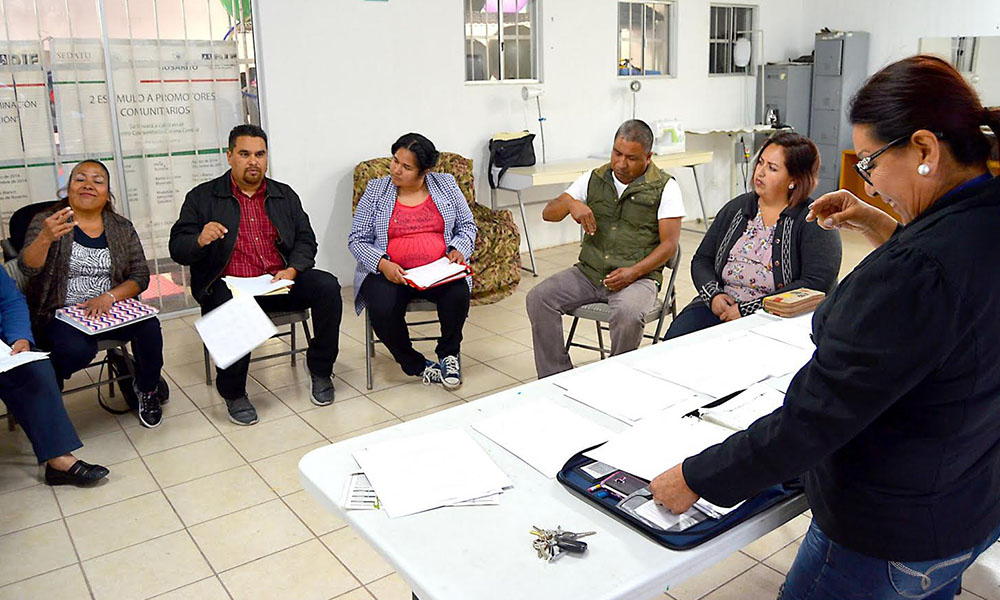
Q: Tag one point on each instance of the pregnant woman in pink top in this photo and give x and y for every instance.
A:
(408, 219)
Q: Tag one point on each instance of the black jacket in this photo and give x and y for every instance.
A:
(895, 421)
(804, 254)
(214, 201)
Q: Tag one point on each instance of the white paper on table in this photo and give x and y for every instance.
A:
(780, 383)
(10, 361)
(427, 275)
(657, 443)
(431, 470)
(714, 510)
(359, 494)
(718, 367)
(490, 500)
(233, 329)
(796, 331)
(626, 394)
(543, 434)
(257, 286)
(740, 411)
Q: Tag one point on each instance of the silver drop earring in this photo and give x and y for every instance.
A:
(923, 169)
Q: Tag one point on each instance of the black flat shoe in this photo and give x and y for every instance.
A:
(80, 474)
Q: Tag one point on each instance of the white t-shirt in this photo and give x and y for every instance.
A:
(671, 205)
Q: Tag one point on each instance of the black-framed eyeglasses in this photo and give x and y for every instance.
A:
(865, 166)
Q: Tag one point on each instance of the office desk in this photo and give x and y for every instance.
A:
(518, 179)
(485, 552)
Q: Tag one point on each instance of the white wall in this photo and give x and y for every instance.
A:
(342, 80)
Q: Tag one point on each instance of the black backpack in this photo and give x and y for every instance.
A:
(510, 150)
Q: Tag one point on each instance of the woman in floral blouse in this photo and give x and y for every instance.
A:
(760, 242)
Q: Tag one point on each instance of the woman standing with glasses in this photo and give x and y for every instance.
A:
(895, 422)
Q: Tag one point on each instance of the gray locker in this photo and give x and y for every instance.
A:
(787, 91)
(841, 66)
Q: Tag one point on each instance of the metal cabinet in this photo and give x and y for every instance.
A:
(787, 93)
(841, 66)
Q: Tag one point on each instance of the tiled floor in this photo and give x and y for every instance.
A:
(202, 509)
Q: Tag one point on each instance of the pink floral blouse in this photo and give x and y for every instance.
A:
(747, 274)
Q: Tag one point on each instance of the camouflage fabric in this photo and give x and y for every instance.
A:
(497, 258)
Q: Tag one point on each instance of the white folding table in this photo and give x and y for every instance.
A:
(485, 552)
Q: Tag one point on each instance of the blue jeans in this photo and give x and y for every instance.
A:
(695, 317)
(825, 570)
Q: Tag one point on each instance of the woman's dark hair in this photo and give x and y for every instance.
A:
(421, 147)
(801, 162)
(64, 202)
(925, 92)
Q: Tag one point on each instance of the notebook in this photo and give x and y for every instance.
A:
(122, 313)
(436, 273)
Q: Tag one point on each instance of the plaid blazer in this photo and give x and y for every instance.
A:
(369, 236)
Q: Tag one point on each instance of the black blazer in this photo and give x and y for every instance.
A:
(895, 421)
(214, 201)
(805, 255)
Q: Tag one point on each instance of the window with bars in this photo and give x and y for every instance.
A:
(645, 36)
(500, 40)
(726, 23)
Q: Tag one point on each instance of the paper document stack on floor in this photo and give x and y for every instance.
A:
(543, 434)
(428, 471)
(742, 410)
(10, 361)
(436, 273)
(747, 359)
(257, 286)
(628, 395)
(232, 330)
(657, 443)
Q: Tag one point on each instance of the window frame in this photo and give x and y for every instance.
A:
(670, 45)
(516, 19)
(729, 42)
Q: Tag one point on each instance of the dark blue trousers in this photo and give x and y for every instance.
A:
(695, 317)
(32, 395)
(71, 349)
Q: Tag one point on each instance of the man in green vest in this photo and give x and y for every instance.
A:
(630, 211)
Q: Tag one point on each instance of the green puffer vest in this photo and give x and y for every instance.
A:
(627, 229)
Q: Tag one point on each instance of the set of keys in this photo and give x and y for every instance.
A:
(551, 544)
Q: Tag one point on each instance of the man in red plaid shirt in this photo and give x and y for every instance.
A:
(245, 225)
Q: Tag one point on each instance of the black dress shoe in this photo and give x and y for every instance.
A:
(80, 474)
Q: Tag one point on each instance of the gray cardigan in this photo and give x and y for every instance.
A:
(47, 284)
(805, 255)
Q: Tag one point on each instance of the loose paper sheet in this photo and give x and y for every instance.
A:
(796, 331)
(9, 361)
(742, 410)
(543, 434)
(627, 394)
(657, 443)
(257, 286)
(232, 330)
(422, 472)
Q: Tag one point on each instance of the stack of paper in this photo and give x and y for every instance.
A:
(257, 286)
(796, 331)
(626, 394)
(657, 443)
(543, 434)
(440, 271)
(10, 361)
(718, 368)
(428, 471)
(741, 411)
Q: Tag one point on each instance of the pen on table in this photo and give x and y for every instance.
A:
(594, 488)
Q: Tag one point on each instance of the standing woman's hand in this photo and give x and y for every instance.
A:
(843, 210)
